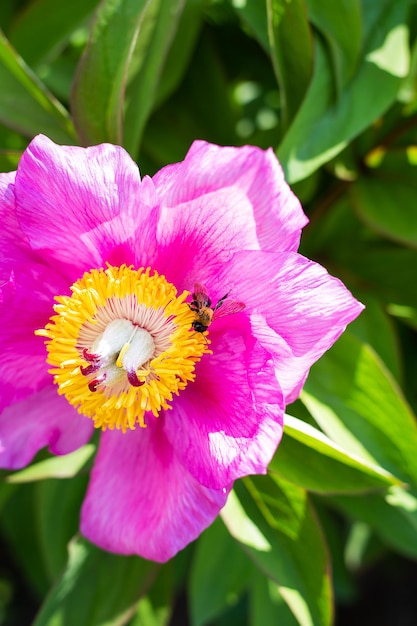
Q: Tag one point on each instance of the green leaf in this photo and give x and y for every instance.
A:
(358, 404)
(100, 83)
(57, 506)
(96, 588)
(323, 125)
(155, 608)
(148, 61)
(393, 517)
(254, 14)
(181, 50)
(25, 103)
(291, 51)
(267, 606)
(56, 467)
(341, 25)
(275, 524)
(388, 207)
(375, 327)
(311, 460)
(39, 520)
(43, 27)
(387, 271)
(119, 73)
(21, 535)
(216, 582)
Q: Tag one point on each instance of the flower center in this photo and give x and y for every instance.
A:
(121, 345)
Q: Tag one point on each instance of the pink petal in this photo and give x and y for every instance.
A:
(69, 198)
(209, 168)
(43, 419)
(197, 237)
(141, 500)
(13, 245)
(228, 423)
(297, 309)
(26, 302)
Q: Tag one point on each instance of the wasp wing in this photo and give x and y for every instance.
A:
(228, 308)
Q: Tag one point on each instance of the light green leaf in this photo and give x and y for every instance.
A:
(311, 460)
(275, 524)
(56, 467)
(291, 48)
(216, 582)
(357, 403)
(96, 588)
(324, 125)
(25, 104)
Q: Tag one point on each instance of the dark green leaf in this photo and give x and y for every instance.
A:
(96, 588)
(341, 25)
(309, 459)
(215, 581)
(375, 327)
(22, 536)
(57, 506)
(155, 608)
(44, 26)
(388, 207)
(274, 522)
(254, 14)
(393, 517)
(25, 104)
(267, 605)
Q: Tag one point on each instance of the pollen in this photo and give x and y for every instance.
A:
(121, 345)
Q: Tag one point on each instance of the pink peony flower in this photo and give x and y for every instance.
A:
(100, 266)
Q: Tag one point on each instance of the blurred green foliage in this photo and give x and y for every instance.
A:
(332, 86)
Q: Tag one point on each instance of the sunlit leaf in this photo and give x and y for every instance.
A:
(311, 460)
(56, 467)
(324, 125)
(358, 404)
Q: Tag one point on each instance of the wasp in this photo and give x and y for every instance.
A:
(205, 314)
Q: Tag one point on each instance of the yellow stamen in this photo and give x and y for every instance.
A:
(120, 346)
